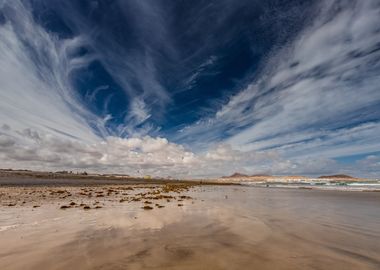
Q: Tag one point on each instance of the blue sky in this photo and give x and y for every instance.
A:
(191, 88)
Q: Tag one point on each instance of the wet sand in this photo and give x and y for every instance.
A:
(187, 227)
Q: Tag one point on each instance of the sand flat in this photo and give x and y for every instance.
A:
(216, 227)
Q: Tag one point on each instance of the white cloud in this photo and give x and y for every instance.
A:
(155, 156)
(146, 155)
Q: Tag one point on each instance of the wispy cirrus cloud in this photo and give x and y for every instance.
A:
(318, 95)
(129, 55)
(36, 90)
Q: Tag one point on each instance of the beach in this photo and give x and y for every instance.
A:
(160, 226)
(189, 135)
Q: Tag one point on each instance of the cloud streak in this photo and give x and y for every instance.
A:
(318, 88)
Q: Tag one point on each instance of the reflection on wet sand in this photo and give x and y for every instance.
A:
(219, 228)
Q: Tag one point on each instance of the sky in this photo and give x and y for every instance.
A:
(191, 88)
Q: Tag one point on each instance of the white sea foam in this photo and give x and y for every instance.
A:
(372, 186)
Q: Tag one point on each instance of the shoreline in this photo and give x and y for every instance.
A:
(339, 188)
(90, 181)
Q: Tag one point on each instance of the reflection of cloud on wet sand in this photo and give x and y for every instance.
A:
(176, 238)
(135, 219)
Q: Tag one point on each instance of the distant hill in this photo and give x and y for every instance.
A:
(236, 175)
(266, 176)
(241, 175)
(340, 176)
